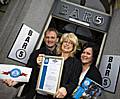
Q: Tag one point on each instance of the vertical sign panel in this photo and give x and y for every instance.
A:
(109, 69)
(24, 44)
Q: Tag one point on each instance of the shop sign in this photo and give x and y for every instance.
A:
(81, 15)
(24, 44)
(109, 68)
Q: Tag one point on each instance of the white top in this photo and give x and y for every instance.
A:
(82, 76)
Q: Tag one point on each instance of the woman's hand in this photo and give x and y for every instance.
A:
(40, 59)
(10, 82)
(61, 93)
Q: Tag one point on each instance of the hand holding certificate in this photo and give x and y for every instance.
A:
(50, 74)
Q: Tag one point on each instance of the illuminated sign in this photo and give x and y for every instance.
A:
(82, 15)
(109, 68)
(24, 44)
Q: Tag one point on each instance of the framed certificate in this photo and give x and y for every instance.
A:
(50, 74)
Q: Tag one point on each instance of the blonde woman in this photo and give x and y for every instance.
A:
(71, 69)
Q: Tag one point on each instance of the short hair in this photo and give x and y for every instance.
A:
(51, 29)
(73, 38)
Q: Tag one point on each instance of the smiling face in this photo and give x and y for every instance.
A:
(67, 46)
(50, 39)
(87, 56)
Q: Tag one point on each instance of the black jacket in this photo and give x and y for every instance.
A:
(70, 77)
(94, 74)
(29, 89)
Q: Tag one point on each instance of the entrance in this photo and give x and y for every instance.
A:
(89, 25)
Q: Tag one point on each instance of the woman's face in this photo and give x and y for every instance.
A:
(87, 56)
(67, 46)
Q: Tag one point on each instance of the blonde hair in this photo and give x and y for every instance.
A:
(68, 36)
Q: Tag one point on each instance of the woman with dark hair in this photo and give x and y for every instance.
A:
(88, 58)
(90, 73)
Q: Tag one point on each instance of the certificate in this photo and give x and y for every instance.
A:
(17, 73)
(50, 74)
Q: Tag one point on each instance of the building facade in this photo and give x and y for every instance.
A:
(91, 20)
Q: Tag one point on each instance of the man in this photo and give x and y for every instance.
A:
(49, 45)
(50, 40)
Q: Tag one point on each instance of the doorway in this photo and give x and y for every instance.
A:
(83, 33)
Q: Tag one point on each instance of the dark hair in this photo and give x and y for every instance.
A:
(51, 29)
(95, 49)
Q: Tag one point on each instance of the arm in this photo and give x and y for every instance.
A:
(94, 74)
(70, 77)
(74, 78)
(10, 82)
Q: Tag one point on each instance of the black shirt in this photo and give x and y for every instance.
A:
(70, 77)
(29, 89)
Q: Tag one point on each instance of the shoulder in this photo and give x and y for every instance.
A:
(73, 60)
(35, 52)
(94, 74)
(38, 51)
(95, 69)
(75, 63)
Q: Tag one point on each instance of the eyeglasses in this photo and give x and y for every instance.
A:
(68, 42)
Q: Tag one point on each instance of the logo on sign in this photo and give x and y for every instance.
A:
(15, 73)
(20, 53)
(98, 20)
(46, 61)
(106, 82)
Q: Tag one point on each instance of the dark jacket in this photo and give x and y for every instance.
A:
(94, 74)
(29, 89)
(70, 77)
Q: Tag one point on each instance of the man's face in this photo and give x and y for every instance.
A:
(50, 39)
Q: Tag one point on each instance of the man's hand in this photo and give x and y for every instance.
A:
(10, 82)
(40, 59)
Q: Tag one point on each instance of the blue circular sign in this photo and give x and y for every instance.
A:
(15, 73)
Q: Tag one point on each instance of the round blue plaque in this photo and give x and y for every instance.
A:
(15, 73)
